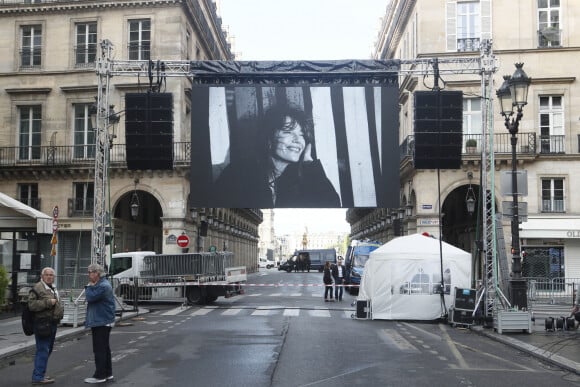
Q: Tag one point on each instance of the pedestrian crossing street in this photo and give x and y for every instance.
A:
(258, 311)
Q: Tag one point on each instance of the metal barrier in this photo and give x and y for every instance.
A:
(560, 290)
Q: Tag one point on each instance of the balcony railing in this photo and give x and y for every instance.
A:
(501, 144)
(549, 37)
(77, 155)
(80, 207)
(468, 44)
(552, 144)
(85, 56)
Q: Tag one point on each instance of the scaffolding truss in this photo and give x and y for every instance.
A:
(484, 65)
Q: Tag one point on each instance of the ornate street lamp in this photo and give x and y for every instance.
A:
(470, 196)
(514, 93)
(135, 203)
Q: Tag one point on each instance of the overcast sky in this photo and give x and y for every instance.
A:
(303, 30)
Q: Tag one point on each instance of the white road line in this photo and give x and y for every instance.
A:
(391, 336)
(174, 311)
(319, 313)
(201, 312)
(231, 312)
(291, 312)
(261, 312)
(460, 359)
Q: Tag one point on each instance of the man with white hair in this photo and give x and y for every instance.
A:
(44, 301)
(100, 318)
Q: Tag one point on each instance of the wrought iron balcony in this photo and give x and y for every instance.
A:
(80, 207)
(549, 37)
(501, 144)
(77, 155)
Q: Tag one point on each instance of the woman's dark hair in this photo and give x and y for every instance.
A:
(273, 120)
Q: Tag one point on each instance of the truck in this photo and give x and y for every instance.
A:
(309, 259)
(197, 278)
(357, 255)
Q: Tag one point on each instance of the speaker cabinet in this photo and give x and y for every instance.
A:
(149, 130)
(438, 129)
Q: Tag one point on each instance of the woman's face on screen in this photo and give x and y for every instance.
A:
(289, 142)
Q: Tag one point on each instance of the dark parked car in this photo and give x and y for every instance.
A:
(287, 266)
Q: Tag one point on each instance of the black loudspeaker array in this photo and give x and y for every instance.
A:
(438, 129)
(149, 130)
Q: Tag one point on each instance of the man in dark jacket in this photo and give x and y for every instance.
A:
(100, 318)
(338, 273)
(44, 301)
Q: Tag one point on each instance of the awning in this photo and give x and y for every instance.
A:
(15, 215)
(552, 227)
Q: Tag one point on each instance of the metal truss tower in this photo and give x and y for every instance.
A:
(484, 65)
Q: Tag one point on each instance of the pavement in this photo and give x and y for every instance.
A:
(14, 342)
(560, 347)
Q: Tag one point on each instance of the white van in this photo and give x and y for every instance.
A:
(265, 263)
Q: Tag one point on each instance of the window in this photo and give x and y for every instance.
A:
(139, 39)
(29, 132)
(468, 26)
(467, 23)
(549, 23)
(552, 195)
(551, 124)
(86, 44)
(188, 45)
(28, 194)
(84, 135)
(30, 46)
(84, 197)
(545, 262)
(472, 120)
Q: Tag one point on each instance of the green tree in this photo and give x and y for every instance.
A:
(3, 284)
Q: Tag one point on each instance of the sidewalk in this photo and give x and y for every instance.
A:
(13, 341)
(561, 348)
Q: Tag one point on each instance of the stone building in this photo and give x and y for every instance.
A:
(48, 86)
(542, 34)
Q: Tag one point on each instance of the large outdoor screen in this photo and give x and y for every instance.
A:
(309, 144)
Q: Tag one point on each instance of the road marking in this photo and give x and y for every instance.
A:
(175, 311)
(319, 313)
(231, 312)
(460, 359)
(261, 312)
(391, 336)
(201, 312)
(291, 312)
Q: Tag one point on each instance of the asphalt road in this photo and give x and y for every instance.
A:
(282, 333)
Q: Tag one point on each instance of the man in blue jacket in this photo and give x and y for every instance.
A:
(100, 318)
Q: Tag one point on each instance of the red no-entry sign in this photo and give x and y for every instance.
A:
(182, 240)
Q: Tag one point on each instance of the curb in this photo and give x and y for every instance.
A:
(539, 353)
(61, 333)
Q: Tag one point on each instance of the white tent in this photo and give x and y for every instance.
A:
(402, 278)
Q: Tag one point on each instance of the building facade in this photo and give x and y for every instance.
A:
(48, 87)
(544, 35)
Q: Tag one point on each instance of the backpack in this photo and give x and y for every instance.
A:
(28, 317)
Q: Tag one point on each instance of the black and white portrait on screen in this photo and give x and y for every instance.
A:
(294, 146)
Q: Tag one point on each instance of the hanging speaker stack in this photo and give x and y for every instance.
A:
(149, 131)
(438, 129)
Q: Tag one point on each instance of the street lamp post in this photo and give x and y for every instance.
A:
(514, 93)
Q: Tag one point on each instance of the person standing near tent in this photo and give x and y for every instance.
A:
(338, 273)
(327, 279)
